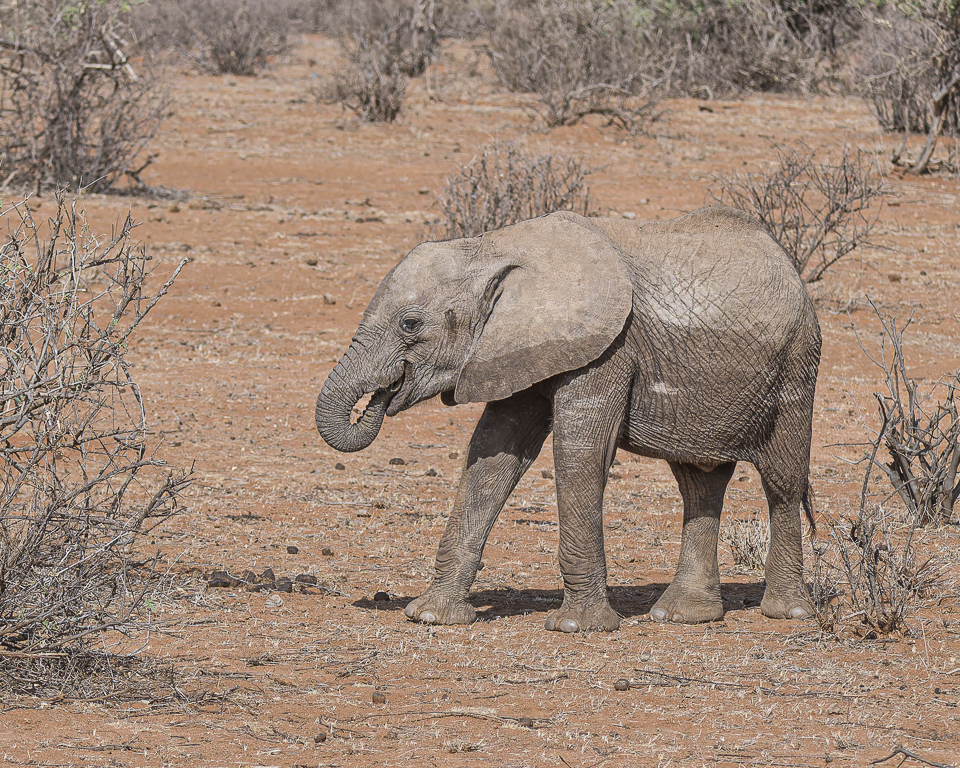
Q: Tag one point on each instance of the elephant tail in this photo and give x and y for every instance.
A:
(807, 503)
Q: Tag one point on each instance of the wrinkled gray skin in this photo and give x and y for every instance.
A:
(691, 340)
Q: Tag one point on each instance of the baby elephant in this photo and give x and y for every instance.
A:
(691, 340)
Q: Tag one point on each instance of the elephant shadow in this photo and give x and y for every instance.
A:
(628, 601)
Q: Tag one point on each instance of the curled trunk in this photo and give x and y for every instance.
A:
(341, 392)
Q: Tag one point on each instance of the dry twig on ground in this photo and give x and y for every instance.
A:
(81, 484)
(818, 212)
(505, 184)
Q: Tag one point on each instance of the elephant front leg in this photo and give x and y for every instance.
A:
(586, 429)
(507, 440)
(694, 594)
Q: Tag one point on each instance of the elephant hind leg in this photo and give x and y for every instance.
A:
(694, 595)
(784, 471)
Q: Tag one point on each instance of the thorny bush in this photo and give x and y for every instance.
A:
(384, 45)
(911, 71)
(748, 542)
(579, 58)
(229, 37)
(818, 212)
(82, 485)
(73, 111)
(921, 434)
(505, 184)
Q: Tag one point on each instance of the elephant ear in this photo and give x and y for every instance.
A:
(561, 296)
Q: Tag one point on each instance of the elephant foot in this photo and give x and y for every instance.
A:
(434, 607)
(580, 617)
(786, 606)
(684, 605)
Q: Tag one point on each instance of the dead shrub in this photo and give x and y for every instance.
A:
(81, 484)
(747, 541)
(231, 37)
(74, 111)
(868, 577)
(920, 433)
(579, 58)
(818, 212)
(717, 47)
(911, 71)
(505, 184)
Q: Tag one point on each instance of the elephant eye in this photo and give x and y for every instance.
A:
(411, 324)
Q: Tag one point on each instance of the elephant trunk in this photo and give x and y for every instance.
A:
(341, 392)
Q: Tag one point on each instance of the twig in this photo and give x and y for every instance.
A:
(901, 750)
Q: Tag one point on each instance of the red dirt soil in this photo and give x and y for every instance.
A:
(297, 210)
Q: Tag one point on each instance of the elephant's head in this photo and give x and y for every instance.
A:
(478, 319)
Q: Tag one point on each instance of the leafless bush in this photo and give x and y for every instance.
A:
(73, 110)
(504, 184)
(384, 44)
(818, 212)
(579, 58)
(920, 434)
(748, 542)
(81, 487)
(715, 47)
(868, 576)
(232, 37)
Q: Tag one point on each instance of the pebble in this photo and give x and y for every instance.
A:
(283, 585)
(397, 462)
(525, 722)
(320, 738)
(622, 685)
(381, 597)
(267, 576)
(306, 578)
(326, 552)
(292, 550)
(378, 698)
(431, 473)
(274, 601)
(338, 465)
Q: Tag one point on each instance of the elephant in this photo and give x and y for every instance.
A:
(691, 340)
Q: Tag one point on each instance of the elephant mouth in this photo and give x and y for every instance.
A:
(389, 395)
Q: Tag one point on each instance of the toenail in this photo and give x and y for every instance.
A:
(550, 624)
(658, 614)
(410, 611)
(799, 613)
(428, 618)
(569, 625)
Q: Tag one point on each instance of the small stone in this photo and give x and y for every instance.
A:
(339, 466)
(250, 577)
(326, 552)
(526, 722)
(283, 585)
(424, 190)
(255, 587)
(274, 601)
(328, 299)
(320, 738)
(454, 455)
(629, 215)
(622, 685)
(381, 597)
(305, 578)
(431, 473)
(292, 550)
(378, 698)
(267, 576)
(397, 462)
(546, 474)
(219, 580)
(312, 262)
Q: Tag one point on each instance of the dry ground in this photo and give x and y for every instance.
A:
(295, 213)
